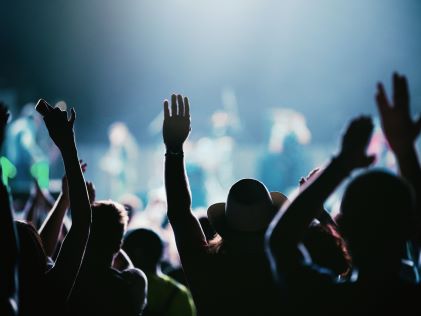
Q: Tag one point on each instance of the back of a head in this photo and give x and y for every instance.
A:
(109, 222)
(376, 213)
(145, 248)
(32, 267)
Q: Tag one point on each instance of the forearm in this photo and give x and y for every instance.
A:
(291, 226)
(78, 195)
(177, 186)
(73, 247)
(188, 232)
(52, 226)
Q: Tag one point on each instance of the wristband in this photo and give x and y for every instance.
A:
(170, 153)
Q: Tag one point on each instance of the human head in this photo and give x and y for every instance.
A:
(33, 259)
(32, 268)
(376, 217)
(109, 222)
(250, 207)
(145, 248)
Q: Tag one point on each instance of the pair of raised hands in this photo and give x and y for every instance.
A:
(399, 128)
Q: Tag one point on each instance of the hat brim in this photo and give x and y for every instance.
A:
(217, 218)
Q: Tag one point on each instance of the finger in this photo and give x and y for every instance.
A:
(72, 117)
(395, 85)
(166, 110)
(173, 105)
(180, 105)
(381, 100)
(403, 93)
(42, 107)
(186, 107)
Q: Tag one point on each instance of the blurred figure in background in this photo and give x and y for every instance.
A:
(24, 151)
(121, 161)
(286, 158)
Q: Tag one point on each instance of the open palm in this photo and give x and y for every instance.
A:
(398, 126)
(176, 127)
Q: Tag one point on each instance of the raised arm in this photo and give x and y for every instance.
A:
(8, 239)
(287, 229)
(71, 253)
(51, 228)
(323, 215)
(176, 129)
(401, 133)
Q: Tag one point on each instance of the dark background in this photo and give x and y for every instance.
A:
(117, 60)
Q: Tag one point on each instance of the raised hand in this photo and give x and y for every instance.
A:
(59, 126)
(4, 118)
(176, 126)
(91, 191)
(398, 126)
(355, 142)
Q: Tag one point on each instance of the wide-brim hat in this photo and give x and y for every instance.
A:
(250, 207)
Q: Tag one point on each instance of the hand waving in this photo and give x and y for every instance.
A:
(176, 127)
(59, 126)
(398, 126)
(355, 142)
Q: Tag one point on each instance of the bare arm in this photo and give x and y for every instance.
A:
(52, 227)
(71, 253)
(287, 229)
(323, 216)
(401, 133)
(176, 128)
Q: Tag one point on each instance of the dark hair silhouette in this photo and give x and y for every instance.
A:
(109, 222)
(145, 248)
(377, 216)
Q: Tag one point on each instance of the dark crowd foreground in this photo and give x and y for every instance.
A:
(257, 253)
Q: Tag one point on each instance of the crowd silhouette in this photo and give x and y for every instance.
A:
(257, 253)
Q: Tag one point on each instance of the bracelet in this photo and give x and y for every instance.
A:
(170, 153)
